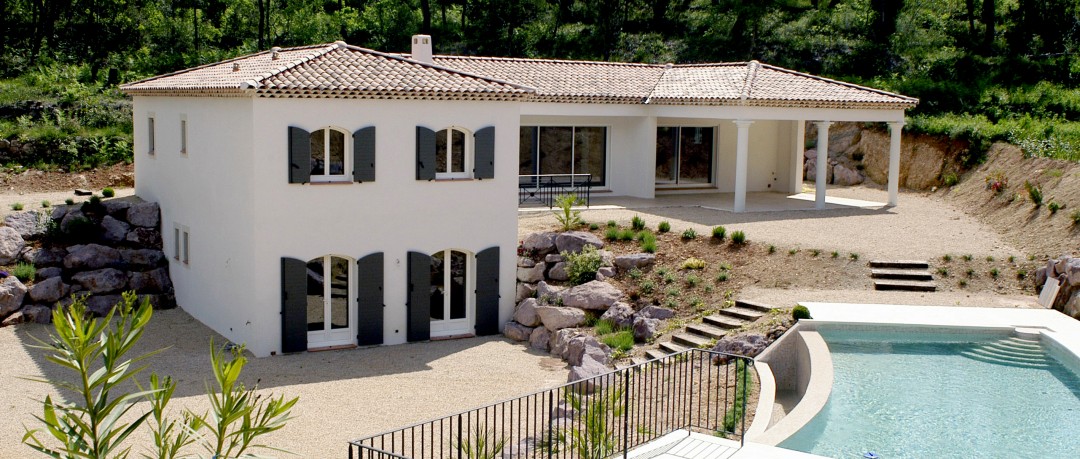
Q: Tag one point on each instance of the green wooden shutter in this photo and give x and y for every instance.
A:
(369, 300)
(364, 155)
(293, 305)
(487, 292)
(425, 153)
(484, 149)
(419, 307)
(299, 155)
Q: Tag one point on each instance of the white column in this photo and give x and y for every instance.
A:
(797, 155)
(822, 162)
(895, 129)
(742, 146)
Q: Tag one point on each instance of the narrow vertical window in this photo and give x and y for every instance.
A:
(176, 242)
(186, 248)
(150, 137)
(328, 154)
(451, 153)
(183, 136)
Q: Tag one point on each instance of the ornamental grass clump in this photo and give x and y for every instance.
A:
(25, 272)
(719, 233)
(663, 227)
(738, 237)
(689, 234)
(693, 263)
(637, 223)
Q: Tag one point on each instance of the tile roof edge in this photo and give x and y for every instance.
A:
(545, 60)
(909, 99)
(326, 48)
(748, 81)
(401, 57)
(127, 86)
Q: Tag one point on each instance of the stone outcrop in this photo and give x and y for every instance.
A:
(620, 314)
(540, 339)
(1066, 269)
(11, 245)
(574, 241)
(645, 329)
(540, 243)
(517, 332)
(634, 260)
(525, 313)
(558, 317)
(749, 345)
(594, 295)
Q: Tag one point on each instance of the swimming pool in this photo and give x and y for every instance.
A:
(923, 395)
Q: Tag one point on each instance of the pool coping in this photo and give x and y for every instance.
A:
(1059, 333)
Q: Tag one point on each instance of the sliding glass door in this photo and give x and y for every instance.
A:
(564, 150)
(684, 155)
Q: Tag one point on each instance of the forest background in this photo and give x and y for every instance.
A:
(985, 70)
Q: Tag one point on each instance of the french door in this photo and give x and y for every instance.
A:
(331, 317)
(451, 297)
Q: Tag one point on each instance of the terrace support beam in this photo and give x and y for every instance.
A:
(798, 152)
(822, 162)
(742, 147)
(896, 128)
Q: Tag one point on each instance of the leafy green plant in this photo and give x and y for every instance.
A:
(946, 258)
(17, 206)
(994, 273)
(943, 271)
(612, 224)
(693, 263)
(1034, 193)
(605, 326)
(853, 256)
(692, 281)
(968, 257)
(581, 266)
(689, 234)
(950, 179)
(738, 237)
(724, 266)
(815, 252)
(990, 258)
(735, 413)
(648, 242)
(480, 443)
(626, 235)
(637, 223)
(697, 303)
(620, 340)
(1012, 258)
(647, 287)
(673, 292)
(719, 232)
(772, 249)
(970, 272)
(670, 303)
(722, 276)
(962, 283)
(1054, 206)
(594, 226)
(800, 312)
(611, 234)
(635, 273)
(69, 201)
(663, 227)
(834, 254)
(45, 204)
(108, 192)
(24, 271)
(792, 251)
(1021, 274)
(569, 218)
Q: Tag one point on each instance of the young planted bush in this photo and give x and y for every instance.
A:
(581, 267)
(612, 224)
(611, 234)
(1054, 206)
(689, 234)
(625, 235)
(693, 263)
(45, 204)
(637, 223)
(647, 241)
(738, 237)
(1034, 193)
(108, 192)
(24, 271)
(800, 312)
(69, 201)
(718, 233)
(619, 340)
(480, 443)
(569, 218)
(17, 206)
(663, 227)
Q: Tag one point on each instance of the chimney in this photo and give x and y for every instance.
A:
(421, 48)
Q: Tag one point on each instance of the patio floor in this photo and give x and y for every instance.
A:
(755, 202)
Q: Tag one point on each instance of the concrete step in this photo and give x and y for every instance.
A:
(901, 274)
(691, 340)
(723, 321)
(749, 315)
(655, 354)
(899, 264)
(706, 330)
(757, 306)
(671, 348)
(905, 285)
(638, 360)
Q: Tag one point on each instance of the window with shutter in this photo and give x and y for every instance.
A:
(487, 292)
(294, 327)
(364, 155)
(419, 305)
(299, 155)
(484, 147)
(369, 300)
(425, 153)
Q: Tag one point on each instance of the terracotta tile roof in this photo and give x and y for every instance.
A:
(331, 70)
(341, 70)
(756, 84)
(566, 81)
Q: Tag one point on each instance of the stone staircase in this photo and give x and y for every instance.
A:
(903, 275)
(711, 328)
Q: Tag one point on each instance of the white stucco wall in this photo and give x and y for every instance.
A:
(208, 190)
(394, 214)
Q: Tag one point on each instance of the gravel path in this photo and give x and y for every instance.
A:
(919, 227)
(344, 395)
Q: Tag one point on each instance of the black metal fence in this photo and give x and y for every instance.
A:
(595, 418)
(542, 189)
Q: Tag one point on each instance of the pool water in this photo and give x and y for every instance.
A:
(944, 396)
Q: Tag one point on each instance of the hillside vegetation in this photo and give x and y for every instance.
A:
(990, 70)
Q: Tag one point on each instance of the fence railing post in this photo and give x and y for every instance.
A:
(626, 412)
(551, 428)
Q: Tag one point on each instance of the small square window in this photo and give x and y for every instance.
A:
(150, 136)
(183, 135)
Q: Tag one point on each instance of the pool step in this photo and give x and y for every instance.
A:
(905, 285)
(901, 274)
(899, 264)
(1013, 351)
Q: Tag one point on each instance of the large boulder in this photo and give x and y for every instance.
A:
(584, 345)
(540, 339)
(144, 214)
(145, 237)
(117, 207)
(91, 256)
(531, 275)
(11, 245)
(153, 281)
(588, 369)
(525, 262)
(558, 318)
(645, 329)
(114, 230)
(846, 177)
(558, 272)
(52, 271)
(525, 291)
(49, 290)
(68, 223)
(561, 339)
(656, 312)
(540, 243)
(44, 256)
(142, 258)
(748, 345)
(548, 293)
(620, 314)
(525, 313)
(37, 313)
(516, 331)
(574, 241)
(635, 260)
(29, 224)
(594, 295)
(101, 280)
(100, 305)
(12, 292)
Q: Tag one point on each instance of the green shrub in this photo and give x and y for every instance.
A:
(693, 263)
(719, 232)
(673, 292)
(990, 258)
(692, 281)
(814, 252)
(612, 224)
(1012, 258)
(968, 257)
(962, 283)
(108, 192)
(69, 201)
(950, 179)
(611, 234)
(725, 266)
(994, 273)
(625, 235)
(668, 277)
(663, 227)
(697, 303)
(648, 242)
(738, 237)
(17, 206)
(792, 251)
(619, 341)
(604, 326)
(946, 258)
(772, 249)
(581, 267)
(943, 271)
(569, 219)
(1021, 274)
(722, 276)
(637, 223)
(738, 407)
(835, 254)
(80, 229)
(800, 312)
(45, 204)
(670, 303)
(635, 274)
(689, 234)
(1054, 206)
(24, 271)
(647, 287)
(1034, 193)
(970, 272)
(594, 226)
(853, 256)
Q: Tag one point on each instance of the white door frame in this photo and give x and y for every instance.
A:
(341, 336)
(452, 327)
